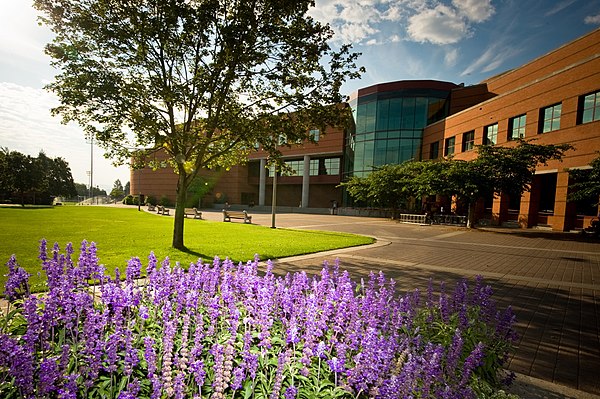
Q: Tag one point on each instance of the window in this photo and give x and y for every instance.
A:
(550, 118)
(516, 127)
(491, 135)
(434, 150)
(315, 133)
(297, 168)
(468, 141)
(589, 107)
(282, 140)
(449, 146)
(324, 166)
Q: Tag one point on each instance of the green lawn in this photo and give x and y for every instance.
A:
(121, 233)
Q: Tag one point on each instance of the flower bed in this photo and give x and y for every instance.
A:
(222, 330)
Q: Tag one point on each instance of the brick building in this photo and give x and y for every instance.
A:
(553, 99)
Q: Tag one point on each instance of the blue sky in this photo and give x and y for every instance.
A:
(462, 41)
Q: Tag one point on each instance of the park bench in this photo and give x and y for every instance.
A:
(228, 215)
(151, 208)
(162, 210)
(192, 212)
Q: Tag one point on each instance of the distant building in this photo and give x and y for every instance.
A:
(553, 99)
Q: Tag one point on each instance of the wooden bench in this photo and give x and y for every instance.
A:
(161, 210)
(228, 215)
(151, 208)
(192, 212)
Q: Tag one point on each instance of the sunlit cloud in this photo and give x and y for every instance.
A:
(491, 59)
(559, 7)
(451, 57)
(592, 19)
(441, 25)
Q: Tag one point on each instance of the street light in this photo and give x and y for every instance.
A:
(90, 140)
(274, 200)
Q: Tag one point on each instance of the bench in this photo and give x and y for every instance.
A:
(151, 208)
(193, 212)
(228, 215)
(161, 210)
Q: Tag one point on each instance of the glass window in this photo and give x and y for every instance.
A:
(468, 141)
(408, 113)
(370, 116)
(379, 154)
(382, 115)
(550, 118)
(449, 146)
(590, 107)
(491, 135)
(516, 127)
(315, 133)
(434, 150)
(324, 166)
(297, 168)
(395, 114)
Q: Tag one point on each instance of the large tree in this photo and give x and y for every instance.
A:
(585, 184)
(203, 80)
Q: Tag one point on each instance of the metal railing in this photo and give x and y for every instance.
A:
(449, 219)
(412, 218)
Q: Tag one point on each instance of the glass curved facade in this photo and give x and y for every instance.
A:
(389, 121)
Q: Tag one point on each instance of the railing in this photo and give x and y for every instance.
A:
(449, 219)
(412, 218)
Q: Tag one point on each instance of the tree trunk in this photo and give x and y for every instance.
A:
(471, 215)
(179, 213)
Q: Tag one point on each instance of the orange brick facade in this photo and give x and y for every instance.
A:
(563, 76)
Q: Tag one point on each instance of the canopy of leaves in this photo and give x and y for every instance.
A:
(20, 173)
(586, 182)
(495, 170)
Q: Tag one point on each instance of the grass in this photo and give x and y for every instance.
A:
(122, 233)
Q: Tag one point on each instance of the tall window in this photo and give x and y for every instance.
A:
(434, 150)
(516, 127)
(315, 133)
(550, 118)
(590, 107)
(449, 146)
(468, 141)
(491, 135)
(324, 166)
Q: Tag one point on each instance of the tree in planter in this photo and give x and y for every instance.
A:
(394, 186)
(498, 170)
(586, 183)
(203, 81)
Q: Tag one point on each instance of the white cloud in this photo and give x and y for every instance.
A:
(491, 59)
(27, 126)
(451, 57)
(559, 7)
(592, 19)
(441, 25)
(474, 10)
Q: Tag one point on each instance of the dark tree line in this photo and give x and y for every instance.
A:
(27, 179)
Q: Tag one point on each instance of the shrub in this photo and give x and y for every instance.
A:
(128, 200)
(151, 200)
(217, 330)
(165, 201)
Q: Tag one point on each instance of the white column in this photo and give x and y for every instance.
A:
(262, 182)
(305, 181)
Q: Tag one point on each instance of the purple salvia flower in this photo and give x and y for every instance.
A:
(17, 284)
(282, 360)
(197, 368)
(472, 361)
(133, 270)
(49, 376)
(290, 392)
(69, 388)
(238, 378)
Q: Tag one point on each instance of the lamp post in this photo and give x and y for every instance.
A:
(274, 200)
(90, 140)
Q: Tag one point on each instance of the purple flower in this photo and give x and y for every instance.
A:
(17, 284)
(337, 366)
(290, 392)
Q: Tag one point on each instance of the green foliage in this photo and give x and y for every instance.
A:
(202, 81)
(117, 190)
(165, 201)
(586, 182)
(495, 170)
(40, 177)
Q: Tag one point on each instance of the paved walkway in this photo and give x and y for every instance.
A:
(552, 281)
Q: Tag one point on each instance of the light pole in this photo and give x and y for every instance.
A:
(89, 174)
(90, 140)
(274, 200)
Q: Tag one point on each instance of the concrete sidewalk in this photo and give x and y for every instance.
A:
(552, 281)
